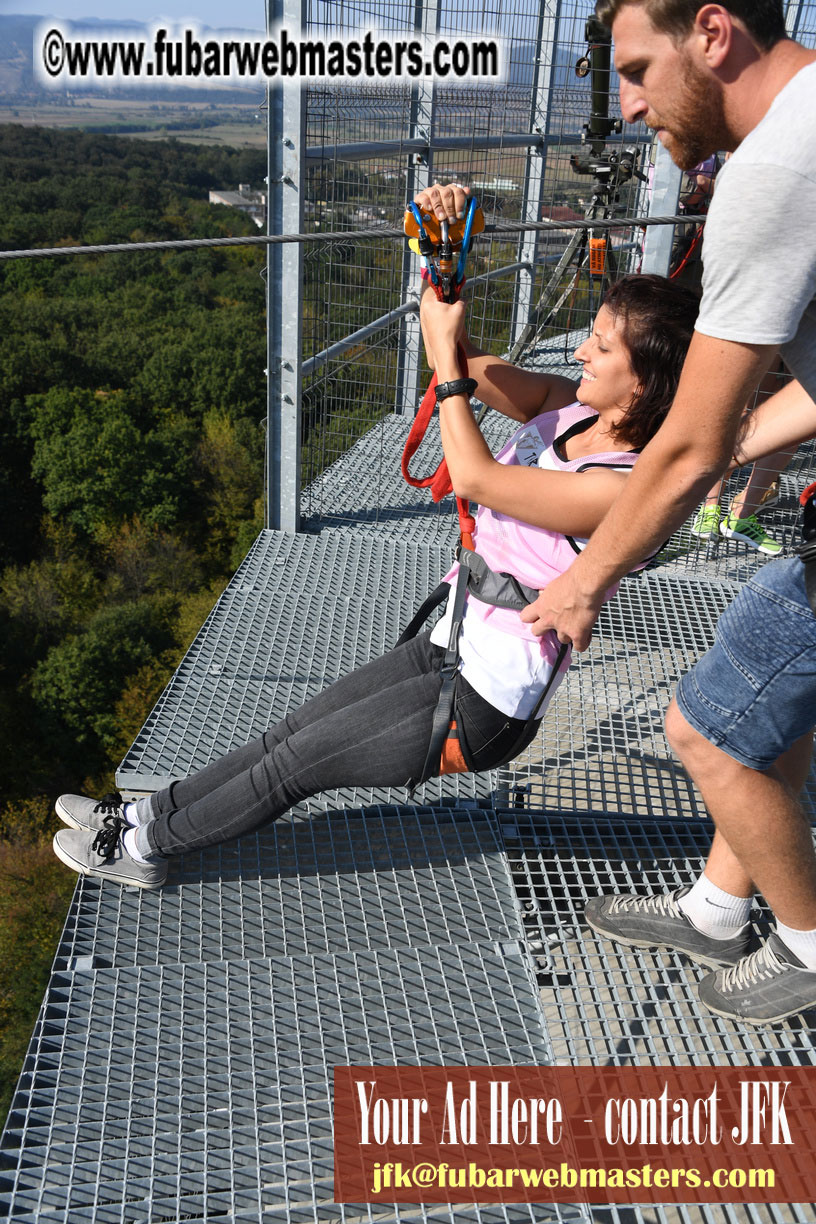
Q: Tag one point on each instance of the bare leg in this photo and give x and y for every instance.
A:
(764, 473)
(765, 836)
(722, 866)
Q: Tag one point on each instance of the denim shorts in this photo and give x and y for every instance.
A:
(754, 693)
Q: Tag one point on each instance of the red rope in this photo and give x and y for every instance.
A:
(439, 481)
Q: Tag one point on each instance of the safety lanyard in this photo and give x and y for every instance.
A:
(438, 243)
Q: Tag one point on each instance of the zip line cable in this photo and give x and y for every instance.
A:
(505, 227)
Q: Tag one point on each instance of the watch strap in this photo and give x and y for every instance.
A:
(457, 386)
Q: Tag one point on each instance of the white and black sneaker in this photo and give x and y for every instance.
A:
(89, 814)
(769, 985)
(103, 854)
(656, 921)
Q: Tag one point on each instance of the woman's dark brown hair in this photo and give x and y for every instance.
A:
(657, 318)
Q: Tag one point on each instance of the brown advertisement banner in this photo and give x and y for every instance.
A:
(575, 1134)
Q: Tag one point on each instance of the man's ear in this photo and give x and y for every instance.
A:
(714, 31)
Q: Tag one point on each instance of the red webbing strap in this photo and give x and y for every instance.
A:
(438, 482)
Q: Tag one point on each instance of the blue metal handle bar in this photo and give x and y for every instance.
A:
(466, 239)
(418, 218)
(423, 236)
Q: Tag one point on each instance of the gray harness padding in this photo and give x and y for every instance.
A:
(489, 586)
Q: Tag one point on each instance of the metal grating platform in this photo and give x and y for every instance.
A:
(604, 1004)
(601, 747)
(181, 1066)
(213, 1100)
(399, 933)
(354, 881)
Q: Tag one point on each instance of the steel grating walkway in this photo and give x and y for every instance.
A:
(445, 931)
(604, 1004)
(390, 936)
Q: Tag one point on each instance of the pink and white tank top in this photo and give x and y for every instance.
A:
(500, 656)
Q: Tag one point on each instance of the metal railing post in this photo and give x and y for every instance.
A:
(793, 17)
(418, 176)
(284, 285)
(535, 165)
(657, 244)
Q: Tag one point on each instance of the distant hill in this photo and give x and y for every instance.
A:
(19, 85)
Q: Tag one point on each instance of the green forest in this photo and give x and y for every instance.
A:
(132, 417)
(132, 397)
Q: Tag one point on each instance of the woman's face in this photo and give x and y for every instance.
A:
(608, 380)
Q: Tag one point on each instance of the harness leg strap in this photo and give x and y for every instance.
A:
(807, 550)
(444, 706)
(436, 597)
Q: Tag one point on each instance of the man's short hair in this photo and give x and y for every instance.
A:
(763, 19)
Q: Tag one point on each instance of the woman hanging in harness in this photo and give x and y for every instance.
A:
(543, 494)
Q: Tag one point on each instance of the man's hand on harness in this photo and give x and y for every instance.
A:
(565, 607)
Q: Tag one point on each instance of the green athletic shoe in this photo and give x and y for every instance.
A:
(750, 531)
(706, 522)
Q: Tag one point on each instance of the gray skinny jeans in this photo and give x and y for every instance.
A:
(370, 728)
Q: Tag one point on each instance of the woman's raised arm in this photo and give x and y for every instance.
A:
(516, 393)
(570, 502)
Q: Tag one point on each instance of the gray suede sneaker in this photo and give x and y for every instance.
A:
(656, 921)
(769, 985)
(103, 854)
(82, 813)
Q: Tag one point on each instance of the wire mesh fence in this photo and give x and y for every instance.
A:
(368, 152)
(518, 146)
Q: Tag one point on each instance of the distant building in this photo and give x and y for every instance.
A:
(251, 202)
(560, 212)
(495, 184)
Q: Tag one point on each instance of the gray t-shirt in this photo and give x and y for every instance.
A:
(759, 249)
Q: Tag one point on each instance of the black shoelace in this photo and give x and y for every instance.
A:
(107, 838)
(110, 804)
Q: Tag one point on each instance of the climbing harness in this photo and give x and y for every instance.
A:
(447, 751)
(438, 243)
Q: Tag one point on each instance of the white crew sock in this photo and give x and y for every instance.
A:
(714, 912)
(801, 943)
(129, 843)
(138, 812)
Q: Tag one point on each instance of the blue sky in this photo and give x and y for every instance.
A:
(236, 14)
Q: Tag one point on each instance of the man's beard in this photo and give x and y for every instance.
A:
(698, 126)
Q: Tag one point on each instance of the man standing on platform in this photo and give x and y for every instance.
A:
(709, 77)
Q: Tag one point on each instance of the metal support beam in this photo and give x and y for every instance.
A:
(284, 285)
(657, 245)
(533, 197)
(419, 175)
(440, 143)
(793, 18)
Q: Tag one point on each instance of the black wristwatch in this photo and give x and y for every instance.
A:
(457, 386)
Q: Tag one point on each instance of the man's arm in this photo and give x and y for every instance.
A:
(692, 448)
(781, 423)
